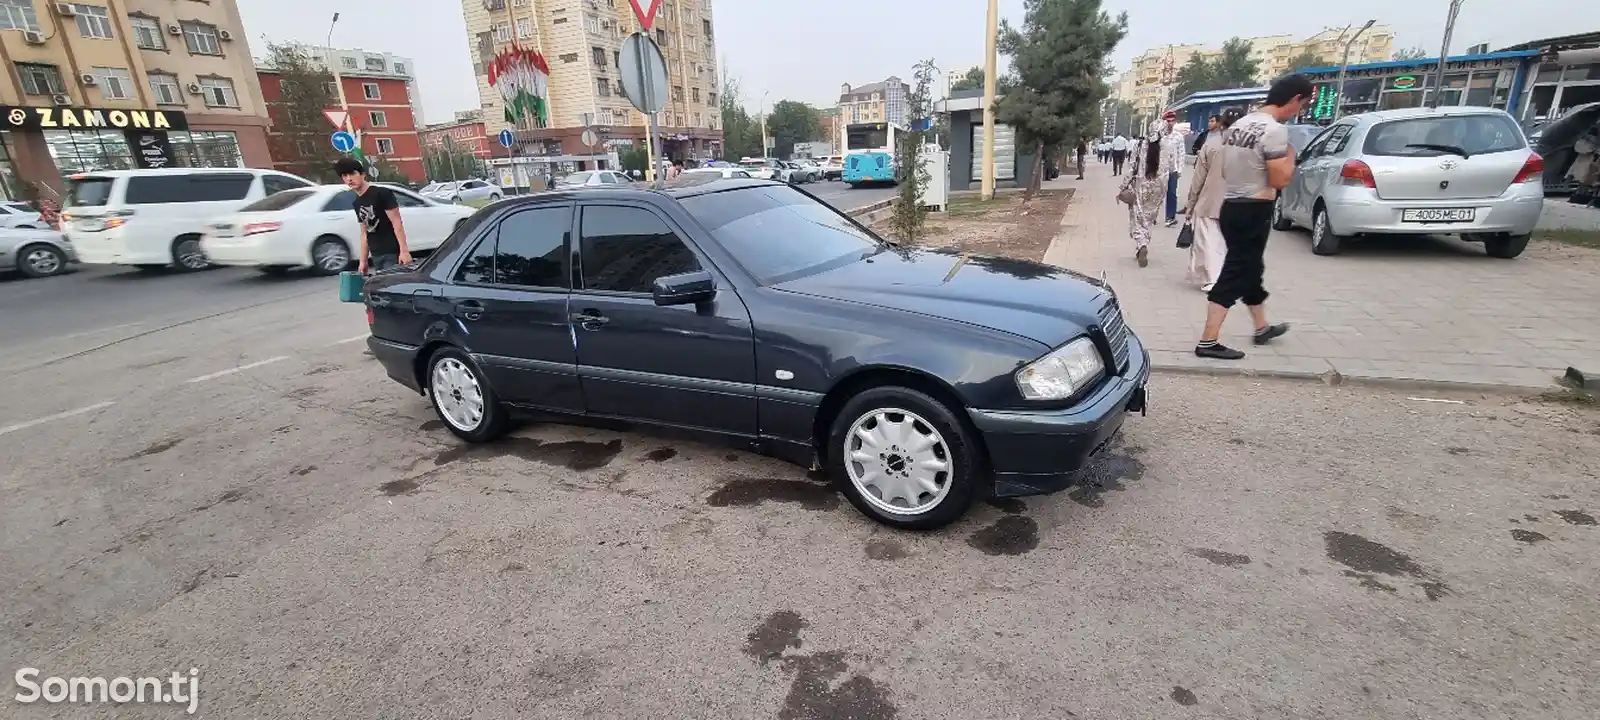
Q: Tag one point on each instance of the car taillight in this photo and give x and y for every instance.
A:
(1356, 172)
(1532, 169)
(261, 227)
(371, 319)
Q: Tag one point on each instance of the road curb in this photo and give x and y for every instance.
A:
(1335, 379)
(875, 212)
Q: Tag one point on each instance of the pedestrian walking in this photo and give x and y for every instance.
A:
(1083, 150)
(1142, 192)
(383, 233)
(1257, 162)
(1204, 203)
(1172, 152)
(1119, 153)
(1103, 149)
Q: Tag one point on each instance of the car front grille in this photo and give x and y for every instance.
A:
(1115, 331)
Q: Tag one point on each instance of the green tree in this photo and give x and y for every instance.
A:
(301, 138)
(634, 159)
(1059, 56)
(1234, 68)
(1306, 59)
(446, 161)
(791, 122)
(741, 134)
(1410, 53)
(972, 79)
(1122, 118)
(1197, 75)
(909, 216)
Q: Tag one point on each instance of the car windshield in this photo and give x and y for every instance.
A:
(779, 233)
(577, 178)
(1445, 135)
(278, 201)
(430, 187)
(89, 191)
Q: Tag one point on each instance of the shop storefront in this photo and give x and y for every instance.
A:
(1482, 80)
(1567, 75)
(44, 145)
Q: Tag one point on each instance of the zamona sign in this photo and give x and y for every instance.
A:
(81, 118)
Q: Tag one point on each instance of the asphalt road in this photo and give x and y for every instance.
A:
(249, 496)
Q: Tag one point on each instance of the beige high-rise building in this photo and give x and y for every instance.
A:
(1154, 72)
(116, 84)
(581, 41)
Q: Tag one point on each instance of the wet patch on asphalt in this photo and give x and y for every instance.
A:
(1117, 464)
(1219, 557)
(886, 549)
(155, 449)
(403, 486)
(1009, 506)
(1457, 450)
(747, 492)
(431, 425)
(323, 369)
(1183, 696)
(229, 496)
(816, 690)
(1367, 560)
(661, 454)
(304, 470)
(577, 455)
(1010, 535)
(1576, 517)
(305, 393)
(1528, 536)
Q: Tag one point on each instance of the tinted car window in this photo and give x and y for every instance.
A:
(532, 248)
(577, 178)
(344, 201)
(287, 198)
(90, 191)
(197, 187)
(407, 199)
(478, 268)
(273, 184)
(777, 233)
(625, 249)
(1338, 141)
(1444, 135)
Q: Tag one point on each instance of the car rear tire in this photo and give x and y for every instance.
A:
(462, 398)
(326, 255)
(187, 255)
(494, 198)
(888, 442)
(41, 260)
(1505, 246)
(1323, 239)
(1280, 221)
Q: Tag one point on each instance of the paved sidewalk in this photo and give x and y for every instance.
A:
(1424, 309)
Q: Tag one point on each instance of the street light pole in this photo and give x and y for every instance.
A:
(338, 82)
(1444, 53)
(1344, 62)
(991, 37)
(762, 111)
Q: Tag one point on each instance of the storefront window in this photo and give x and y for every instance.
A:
(76, 151)
(1581, 73)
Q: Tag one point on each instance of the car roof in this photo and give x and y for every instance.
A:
(1413, 113)
(178, 171)
(684, 186)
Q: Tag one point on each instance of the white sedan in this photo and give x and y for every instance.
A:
(20, 215)
(462, 191)
(316, 228)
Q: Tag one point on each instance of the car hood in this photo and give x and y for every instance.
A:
(1040, 302)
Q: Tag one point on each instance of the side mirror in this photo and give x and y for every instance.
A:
(690, 288)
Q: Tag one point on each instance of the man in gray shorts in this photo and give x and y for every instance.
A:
(1256, 162)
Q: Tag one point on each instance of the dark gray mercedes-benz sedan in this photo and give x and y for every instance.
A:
(748, 311)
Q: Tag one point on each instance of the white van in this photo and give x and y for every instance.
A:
(155, 218)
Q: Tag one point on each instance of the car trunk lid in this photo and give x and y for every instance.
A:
(1445, 157)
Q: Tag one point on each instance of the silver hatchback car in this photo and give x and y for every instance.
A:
(1464, 171)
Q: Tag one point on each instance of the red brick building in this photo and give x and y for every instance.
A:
(380, 108)
(468, 136)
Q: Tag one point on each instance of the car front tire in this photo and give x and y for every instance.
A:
(1280, 221)
(1506, 246)
(326, 255)
(904, 459)
(1323, 239)
(41, 260)
(187, 255)
(462, 398)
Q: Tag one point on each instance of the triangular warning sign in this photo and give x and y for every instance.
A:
(337, 117)
(646, 15)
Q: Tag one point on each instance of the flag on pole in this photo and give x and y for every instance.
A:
(522, 78)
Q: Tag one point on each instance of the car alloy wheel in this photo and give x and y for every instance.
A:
(41, 261)
(898, 461)
(457, 394)
(189, 255)
(331, 256)
(1323, 241)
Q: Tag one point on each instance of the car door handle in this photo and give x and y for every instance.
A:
(589, 319)
(469, 309)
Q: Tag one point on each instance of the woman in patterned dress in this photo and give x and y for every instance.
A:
(1148, 182)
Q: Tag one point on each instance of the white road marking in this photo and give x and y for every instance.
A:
(1436, 400)
(241, 368)
(58, 416)
(348, 340)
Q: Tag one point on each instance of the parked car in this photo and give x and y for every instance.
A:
(832, 167)
(1553, 139)
(922, 380)
(35, 252)
(720, 171)
(317, 228)
(766, 169)
(812, 170)
(463, 191)
(1464, 171)
(592, 178)
(20, 215)
(155, 218)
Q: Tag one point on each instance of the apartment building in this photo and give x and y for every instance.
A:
(1153, 73)
(111, 84)
(581, 42)
(874, 102)
(370, 64)
(381, 109)
(464, 135)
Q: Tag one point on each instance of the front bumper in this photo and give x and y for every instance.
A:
(1354, 211)
(1040, 451)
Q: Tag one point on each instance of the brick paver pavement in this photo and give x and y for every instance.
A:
(1394, 308)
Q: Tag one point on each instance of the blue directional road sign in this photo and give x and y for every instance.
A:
(344, 141)
(506, 139)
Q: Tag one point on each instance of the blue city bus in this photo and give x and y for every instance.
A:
(870, 155)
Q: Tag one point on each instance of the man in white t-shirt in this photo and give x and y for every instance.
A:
(1256, 163)
(1119, 153)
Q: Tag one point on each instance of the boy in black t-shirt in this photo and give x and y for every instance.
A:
(383, 234)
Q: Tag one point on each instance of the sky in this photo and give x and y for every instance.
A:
(805, 50)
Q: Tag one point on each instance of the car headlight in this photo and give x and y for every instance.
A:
(1063, 372)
